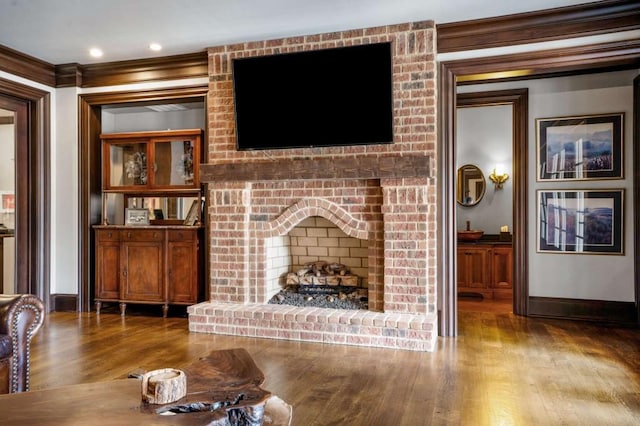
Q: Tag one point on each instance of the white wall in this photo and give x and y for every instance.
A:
(484, 138)
(64, 195)
(580, 276)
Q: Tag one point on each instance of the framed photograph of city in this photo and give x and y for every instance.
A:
(571, 221)
(580, 148)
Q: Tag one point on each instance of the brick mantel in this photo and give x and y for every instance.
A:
(391, 166)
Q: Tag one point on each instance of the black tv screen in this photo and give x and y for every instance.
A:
(319, 98)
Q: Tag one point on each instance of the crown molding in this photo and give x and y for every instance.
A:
(556, 62)
(551, 24)
(26, 66)
(191, 65)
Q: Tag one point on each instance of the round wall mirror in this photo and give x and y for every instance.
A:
(470, 185)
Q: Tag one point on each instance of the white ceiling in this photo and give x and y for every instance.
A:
(62, 31)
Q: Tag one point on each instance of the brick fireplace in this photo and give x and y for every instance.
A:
(382, 194)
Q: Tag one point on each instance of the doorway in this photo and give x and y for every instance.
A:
(90, 107)
(28, 200)
(565, 61)
(510, 105)
(7, 202)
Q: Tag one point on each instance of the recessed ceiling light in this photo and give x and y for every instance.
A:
(155, 47)
(95, 52)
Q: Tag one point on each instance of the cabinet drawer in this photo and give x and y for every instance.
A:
(182, 235)
(142, 235)
(107, 235)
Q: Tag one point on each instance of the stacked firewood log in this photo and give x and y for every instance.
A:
(323, 273)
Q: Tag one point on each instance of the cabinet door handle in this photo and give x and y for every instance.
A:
(124, 272)
(129, 235)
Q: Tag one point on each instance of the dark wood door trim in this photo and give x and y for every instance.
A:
(90, 198)
(636, 186)
(582, 59)
(33, 220)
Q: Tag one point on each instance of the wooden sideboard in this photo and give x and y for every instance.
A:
(148, 265)
(486, 268)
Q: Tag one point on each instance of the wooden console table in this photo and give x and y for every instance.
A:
(223, 377)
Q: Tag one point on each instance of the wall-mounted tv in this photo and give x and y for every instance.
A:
(318, 98)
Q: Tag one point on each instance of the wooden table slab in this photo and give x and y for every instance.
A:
(222, 377)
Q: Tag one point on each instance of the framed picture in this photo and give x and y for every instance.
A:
(7, 202)
(193, 217)
(581, 221)
(580, 148)
(136, 217)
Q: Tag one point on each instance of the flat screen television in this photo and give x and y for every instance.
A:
(319, 98)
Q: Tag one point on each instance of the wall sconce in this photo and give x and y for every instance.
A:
(498, 176)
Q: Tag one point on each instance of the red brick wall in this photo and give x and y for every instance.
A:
(397, 216)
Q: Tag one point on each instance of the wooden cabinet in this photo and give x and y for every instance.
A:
(473, 267)
(142, 265)
(107, 265)
(155, 261)
(486, 269)
(150, 266)
(183, 258)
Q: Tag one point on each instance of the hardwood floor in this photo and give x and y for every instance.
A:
(493, 306)
(502, 369)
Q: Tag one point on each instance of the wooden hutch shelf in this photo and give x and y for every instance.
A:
(150, 261)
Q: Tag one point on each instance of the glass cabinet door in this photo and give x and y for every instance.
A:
(173, 163)
(128, 164)
(143, 162)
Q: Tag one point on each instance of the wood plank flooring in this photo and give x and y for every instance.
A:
(501, 370)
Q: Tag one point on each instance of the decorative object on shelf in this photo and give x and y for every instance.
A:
(136, 217)
(580, 148)
(498, 176)
(193, 217)
(577, 221)
(136, 168)
(470, 234)
(505, 235)
(185, 166)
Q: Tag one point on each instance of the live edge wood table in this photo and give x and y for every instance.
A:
(223, 388)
